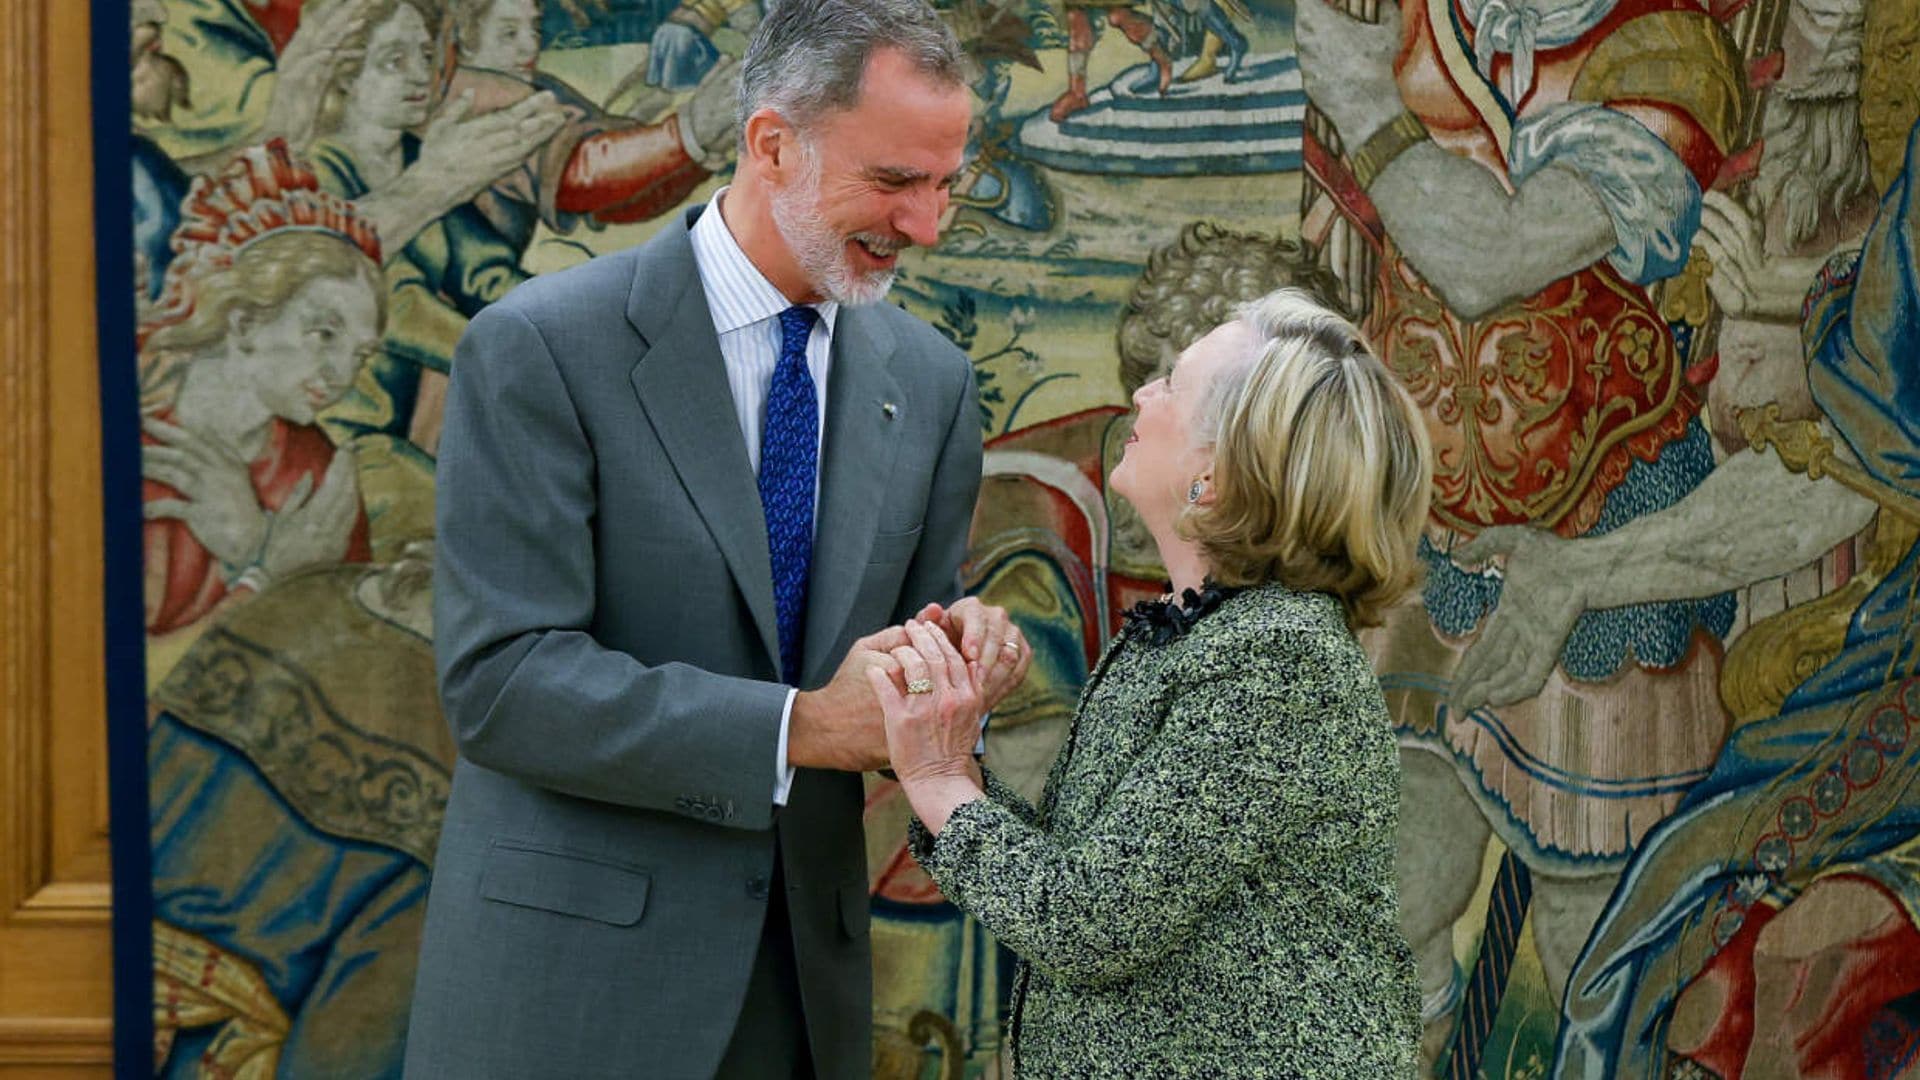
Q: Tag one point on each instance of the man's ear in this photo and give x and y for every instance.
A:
(772, 145)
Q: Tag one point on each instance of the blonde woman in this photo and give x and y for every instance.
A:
(272, 303)
(1207, 886)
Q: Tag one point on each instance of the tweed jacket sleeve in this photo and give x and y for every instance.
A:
(1247, 760)
(1008, 799)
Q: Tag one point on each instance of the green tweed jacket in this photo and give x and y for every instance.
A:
(1207, 889)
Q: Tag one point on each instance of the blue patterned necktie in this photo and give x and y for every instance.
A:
(789, 449)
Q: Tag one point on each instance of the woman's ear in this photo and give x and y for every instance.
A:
(1202, 493)
(240, 327)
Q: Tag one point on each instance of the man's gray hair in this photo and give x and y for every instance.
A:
(807, 58)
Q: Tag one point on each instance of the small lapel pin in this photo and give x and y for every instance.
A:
(889, 408)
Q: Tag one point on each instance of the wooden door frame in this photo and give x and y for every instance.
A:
(56, 942)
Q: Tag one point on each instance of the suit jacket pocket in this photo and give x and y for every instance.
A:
(895, 547)
(855, 917)
(564, 882)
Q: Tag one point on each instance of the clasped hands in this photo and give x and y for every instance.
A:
(911, 697)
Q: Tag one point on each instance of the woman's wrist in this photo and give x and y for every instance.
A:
(935, 797)
(254, 561)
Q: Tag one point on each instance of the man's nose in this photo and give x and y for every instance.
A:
(919, 219)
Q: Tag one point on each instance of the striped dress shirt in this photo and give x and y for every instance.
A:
(746, 311)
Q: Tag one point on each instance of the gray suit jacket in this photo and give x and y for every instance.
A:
(608, 662)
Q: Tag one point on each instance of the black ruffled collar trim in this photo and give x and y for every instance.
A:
(1158, 622)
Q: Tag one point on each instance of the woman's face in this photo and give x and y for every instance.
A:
(1161, 461)
(395, 86)
(303, 357)
(509, 37)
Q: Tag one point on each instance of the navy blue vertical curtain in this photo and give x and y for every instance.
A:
(124, 667)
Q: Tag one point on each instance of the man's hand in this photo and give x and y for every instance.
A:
(459, 158)
(465, 153)
(996, 651)
(1747, 280)
(839, 726)
(1522, 639)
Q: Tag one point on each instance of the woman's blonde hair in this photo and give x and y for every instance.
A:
(264, 275)
(1322, 470)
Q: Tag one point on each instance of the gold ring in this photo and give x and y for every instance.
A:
(1014, 644)
(920, 686)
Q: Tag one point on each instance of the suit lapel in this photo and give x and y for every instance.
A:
(856, 462)
(681, 381)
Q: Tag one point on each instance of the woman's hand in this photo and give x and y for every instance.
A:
(931, 732)
(305, 68)
(315, 525)
(218, 504)
(988, 637)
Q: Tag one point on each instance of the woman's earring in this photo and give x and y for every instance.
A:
(1193, 492)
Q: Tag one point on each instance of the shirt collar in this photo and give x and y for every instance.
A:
(738, 294)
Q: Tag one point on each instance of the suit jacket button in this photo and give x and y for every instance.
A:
(757, 888)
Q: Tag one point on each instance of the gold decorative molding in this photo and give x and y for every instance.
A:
(55, 944)
(23, 525)
(56, 1042)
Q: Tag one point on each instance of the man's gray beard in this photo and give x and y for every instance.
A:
(1815, 163)
(817, 247)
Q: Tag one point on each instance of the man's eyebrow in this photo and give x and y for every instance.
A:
(900, 174)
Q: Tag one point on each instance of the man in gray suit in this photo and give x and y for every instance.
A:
(652, 863)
